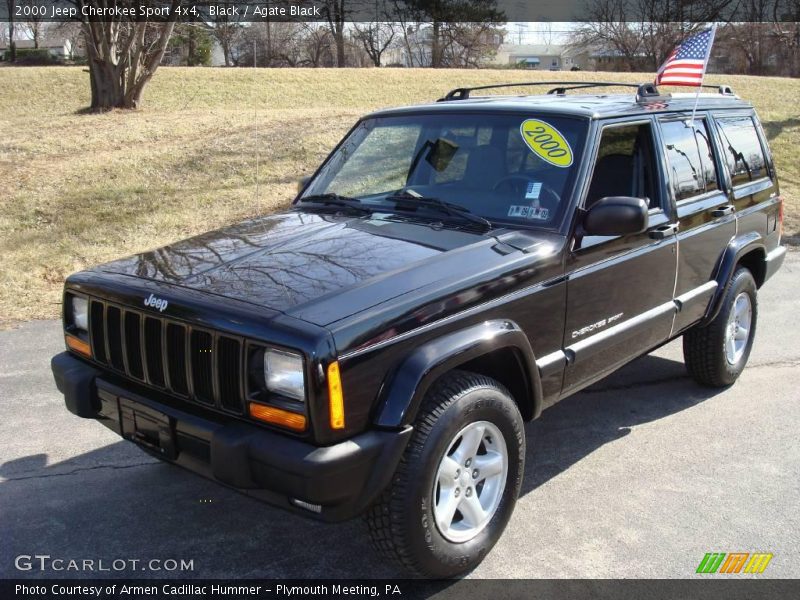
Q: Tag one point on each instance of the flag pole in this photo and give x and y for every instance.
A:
(705, 66)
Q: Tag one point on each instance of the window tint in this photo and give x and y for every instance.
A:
(691, 161)
(743, 151)
(624, 165)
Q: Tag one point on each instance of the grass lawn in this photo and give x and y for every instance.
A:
(80, 189)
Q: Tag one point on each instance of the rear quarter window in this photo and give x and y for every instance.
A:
(742, 147)
(691, 161)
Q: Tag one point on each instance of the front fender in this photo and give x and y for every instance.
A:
(401, 398)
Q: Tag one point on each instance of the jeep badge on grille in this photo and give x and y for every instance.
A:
(154, 302)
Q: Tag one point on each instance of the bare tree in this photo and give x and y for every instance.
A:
(72, 32)
(376, 37)
(786, 30)
(226, 32)
(444, 15)
(123, 57)
(337, 13)
(317, 43)
(469, 44)
(643, 32)
(33, 26)
(610, 29)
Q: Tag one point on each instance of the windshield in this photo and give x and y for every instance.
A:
(510, 168)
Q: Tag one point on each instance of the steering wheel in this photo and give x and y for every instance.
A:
(518, 184)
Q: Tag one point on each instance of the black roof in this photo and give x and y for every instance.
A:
(592, 106)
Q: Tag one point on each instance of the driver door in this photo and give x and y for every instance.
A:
(620, 288)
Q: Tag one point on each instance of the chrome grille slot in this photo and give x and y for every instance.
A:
(133, 344)
(98, 331)
(202, 350)
(229, 369)
(176, 358)
(114, 337)
(154, 356)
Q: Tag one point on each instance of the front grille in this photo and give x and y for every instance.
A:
(195, 364)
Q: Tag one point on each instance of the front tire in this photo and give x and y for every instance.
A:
(458, 482)
(716, 354)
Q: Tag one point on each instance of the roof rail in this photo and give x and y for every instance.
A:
(643, 90)
(464, 92)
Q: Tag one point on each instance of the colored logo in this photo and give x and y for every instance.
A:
(734, 562)
(547, 142)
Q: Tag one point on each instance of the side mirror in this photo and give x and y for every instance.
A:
(616, 215)
(301, 183)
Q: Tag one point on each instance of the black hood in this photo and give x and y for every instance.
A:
(293, 260)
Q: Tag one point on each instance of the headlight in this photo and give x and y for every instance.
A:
(283, 373)
(79, 308)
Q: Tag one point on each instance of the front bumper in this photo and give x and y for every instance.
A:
(342, 480)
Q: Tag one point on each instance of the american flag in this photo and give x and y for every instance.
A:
(686, 65)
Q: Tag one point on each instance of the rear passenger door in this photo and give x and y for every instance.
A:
(706, 215)
(619, 288)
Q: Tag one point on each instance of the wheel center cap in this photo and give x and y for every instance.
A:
(464, 479)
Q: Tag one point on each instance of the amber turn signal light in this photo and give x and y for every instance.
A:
(78, 345)
(278, 416)
(335, 396)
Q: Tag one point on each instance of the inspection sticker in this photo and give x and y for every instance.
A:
(546, 142)
(539, 213)
(529, 212)
(533, 191)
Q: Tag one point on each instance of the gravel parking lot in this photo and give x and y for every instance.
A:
(636, 477)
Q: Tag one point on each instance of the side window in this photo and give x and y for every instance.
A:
(625, 165)
(743, 151)
(691, 160)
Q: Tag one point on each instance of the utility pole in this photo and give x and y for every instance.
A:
(521, 27)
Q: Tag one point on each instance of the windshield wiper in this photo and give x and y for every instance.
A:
(449, 208)
(325, 200)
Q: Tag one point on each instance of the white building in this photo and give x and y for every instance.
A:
(59, 48)
(542, 57)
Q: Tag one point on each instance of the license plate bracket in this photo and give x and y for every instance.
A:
(150, 428)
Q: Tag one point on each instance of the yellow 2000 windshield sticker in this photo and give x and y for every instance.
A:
(546, 142)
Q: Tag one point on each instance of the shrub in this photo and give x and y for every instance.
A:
(33, 56)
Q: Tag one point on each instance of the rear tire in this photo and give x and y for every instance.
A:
(715, 355)
(467, 453)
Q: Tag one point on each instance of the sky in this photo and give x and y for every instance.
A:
(539, 33)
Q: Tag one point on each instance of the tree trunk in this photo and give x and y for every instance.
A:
(12, 46)
(226, 52)
(436, 52)
(119, 74)
(340, 58)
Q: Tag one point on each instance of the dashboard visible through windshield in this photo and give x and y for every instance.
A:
(509, 168)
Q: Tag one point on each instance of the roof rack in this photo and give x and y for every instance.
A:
(643, 90)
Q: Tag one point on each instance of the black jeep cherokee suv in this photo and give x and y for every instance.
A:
(449, 271)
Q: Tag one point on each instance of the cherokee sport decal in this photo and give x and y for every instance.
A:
(594, 326)
(158, 303)
(546, 141)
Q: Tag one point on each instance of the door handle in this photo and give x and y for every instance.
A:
(664, 231)
(722, 211)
